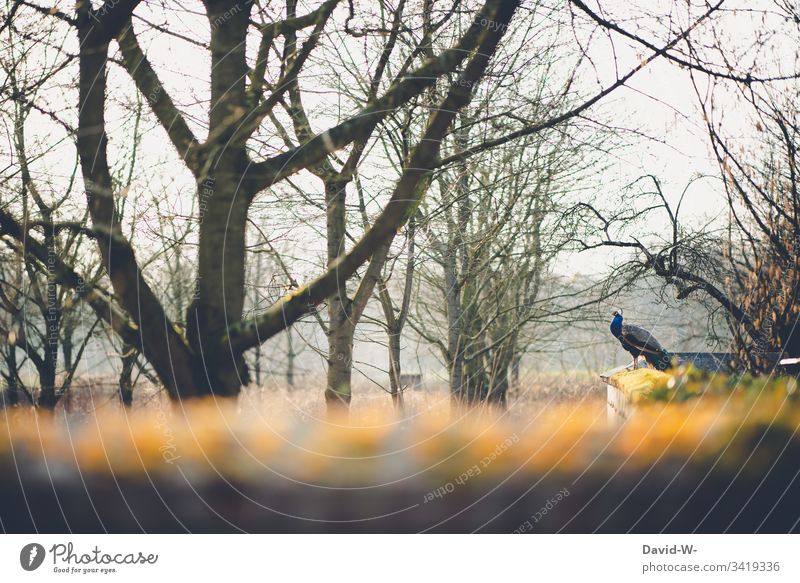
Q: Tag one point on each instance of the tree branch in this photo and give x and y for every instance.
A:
(406, 195)
(98, 299)
(607, 24)
(552, 122)
(141, 71)
(264, 174)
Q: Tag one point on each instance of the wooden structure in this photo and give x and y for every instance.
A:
(624, 386)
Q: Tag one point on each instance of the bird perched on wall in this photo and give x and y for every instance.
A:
(640, 342)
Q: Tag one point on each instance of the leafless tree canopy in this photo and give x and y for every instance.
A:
(190, 180)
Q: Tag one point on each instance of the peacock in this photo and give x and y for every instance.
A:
(640, 342)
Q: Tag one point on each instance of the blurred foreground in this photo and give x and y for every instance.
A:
(725, 461)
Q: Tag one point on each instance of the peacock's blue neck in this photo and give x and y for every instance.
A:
(616, 326)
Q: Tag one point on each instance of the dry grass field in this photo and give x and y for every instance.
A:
(276, 400)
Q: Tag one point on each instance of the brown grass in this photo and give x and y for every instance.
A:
(537, 392)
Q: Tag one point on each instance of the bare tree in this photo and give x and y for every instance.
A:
(210, 358)
(488, 271)
(43, 320)
(239, 159)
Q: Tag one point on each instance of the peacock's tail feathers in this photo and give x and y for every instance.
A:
(660, 361)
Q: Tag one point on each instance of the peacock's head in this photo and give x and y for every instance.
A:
(616, 323)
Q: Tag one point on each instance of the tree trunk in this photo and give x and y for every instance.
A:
(454, 324)
(395, 322)
(476, 383)
(51, 313)
(457, 247)
(395, 369)
(290, 356)
(224, 201)
(12, 389)
(257, 364)
(340, 326)
(516, 362)
(162, 345)
(498, 393)
(129, 356)
(340, 361)
(67, 347)
(220, 294)
(499, 381)
(47, 372)
(47, 386)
